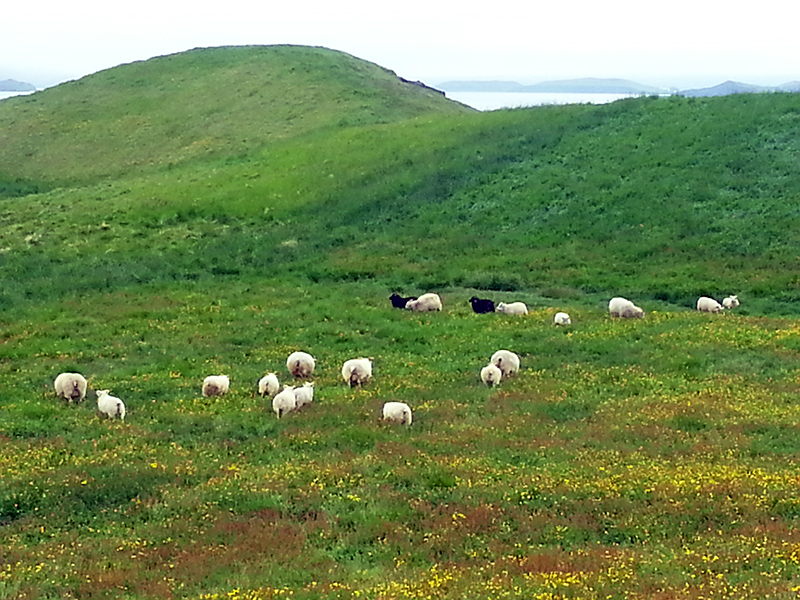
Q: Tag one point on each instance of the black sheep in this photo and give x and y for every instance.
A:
(481, 306)
(398, 301)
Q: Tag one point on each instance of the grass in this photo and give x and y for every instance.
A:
(652, 458)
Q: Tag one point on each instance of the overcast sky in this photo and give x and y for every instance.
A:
(681, 43)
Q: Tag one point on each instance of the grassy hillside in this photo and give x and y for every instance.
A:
(206, 103)
(157, 229)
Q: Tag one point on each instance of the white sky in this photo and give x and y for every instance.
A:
(680, 43)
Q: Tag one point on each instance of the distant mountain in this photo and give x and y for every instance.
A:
(586, 85)
(735, 87)
(11, 85)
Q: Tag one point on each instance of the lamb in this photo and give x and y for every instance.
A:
(285, 402)
(507, 362)
(300, 364)
(71, 387)
(562, 318)
(730, 302)
(110, 406)
(215, 385)
(706, 304)
(397, 412)
(425, 303)
(304, 395)
(491, 375)
(357, 371)
(620, 307)
(481, 306)
(269, 385)
(399, 301)
(515, 308)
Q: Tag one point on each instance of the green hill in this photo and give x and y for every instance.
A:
(315, 164)
(197, 105)
(212, 212)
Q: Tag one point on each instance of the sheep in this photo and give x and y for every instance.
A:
(399, 301)
(285, 402)
(507, 362)
(357, 371)
(491, 375)
(425, 303)
(110, 406)
(481, 306)
(515, 308)
(304, 395)
(730, 302)
(215, 385)
(562, 318)
(620, 307)
(71, 387)
(269, 385)
(300, 364)
(706, 304)
(397, 412)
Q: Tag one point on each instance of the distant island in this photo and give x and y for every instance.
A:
(735, 87)
(586, 85)
(590, 85)
(11, 85)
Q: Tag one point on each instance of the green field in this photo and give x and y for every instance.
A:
(213, 211)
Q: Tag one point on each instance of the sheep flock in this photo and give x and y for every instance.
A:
(358, 372)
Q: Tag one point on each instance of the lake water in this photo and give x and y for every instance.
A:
(4, 95)
(495, 100)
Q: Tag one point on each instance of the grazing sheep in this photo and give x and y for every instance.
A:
(399, 301)
(304, 395)
(491, 375)
(730, 302)
(269, 385)
(515, 308)
(620, 307)
(481, 306)
(71, 387)
(300, 364)
(285, 402)
(357, 371)
(507, 362)
(215, 385)
(562, 318)
(110, 406)
(397, 412)
(425, 303)
(706, 304)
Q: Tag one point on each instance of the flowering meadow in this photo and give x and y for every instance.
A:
(653, 458)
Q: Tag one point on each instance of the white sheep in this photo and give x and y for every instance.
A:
(491, 375)
(507, 362)
(285, 402)
(425, 303)
(110, 406)
(268, 385)
(706, 304)
(515, 308)
(562, 318)
(730, 302)
(304, 395)
(357, 371)
(71, 387)
(620, 307)
(216, 385)
(397, 412)
(300, 364)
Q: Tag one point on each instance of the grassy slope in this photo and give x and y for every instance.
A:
(628, 459)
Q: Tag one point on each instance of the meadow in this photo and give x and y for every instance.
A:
(148, 240)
